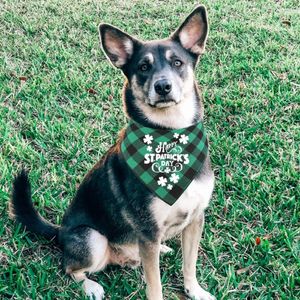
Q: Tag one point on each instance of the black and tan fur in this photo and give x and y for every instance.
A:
(114, 218)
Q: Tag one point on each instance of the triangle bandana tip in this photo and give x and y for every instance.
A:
(166, 161)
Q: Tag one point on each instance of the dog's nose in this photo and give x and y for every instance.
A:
(163, 87)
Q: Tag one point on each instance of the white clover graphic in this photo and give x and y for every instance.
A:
(169, 186)
(174, 178)
(149, 148)
(162, 181)
(148, 139)
(184, 139)
(167, 170)
(176, 135)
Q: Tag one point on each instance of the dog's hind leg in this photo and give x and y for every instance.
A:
(190, 242)
(85, 251)
(164, 249)
(91, 288)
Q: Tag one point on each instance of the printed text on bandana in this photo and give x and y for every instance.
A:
(167, 158)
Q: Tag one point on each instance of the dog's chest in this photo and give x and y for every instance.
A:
(173, 219)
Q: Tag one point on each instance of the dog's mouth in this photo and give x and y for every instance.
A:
(163, 103)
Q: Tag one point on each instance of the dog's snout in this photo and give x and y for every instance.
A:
(163, 87)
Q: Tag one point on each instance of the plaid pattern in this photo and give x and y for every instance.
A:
(167, 185)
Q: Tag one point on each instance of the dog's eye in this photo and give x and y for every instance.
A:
(144, 67)
(177, 63)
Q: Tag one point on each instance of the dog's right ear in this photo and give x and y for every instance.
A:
(117, 45)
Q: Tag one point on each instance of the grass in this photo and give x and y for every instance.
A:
(60, 109)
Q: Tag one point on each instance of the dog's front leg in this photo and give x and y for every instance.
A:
(149, 253)
(190, 242)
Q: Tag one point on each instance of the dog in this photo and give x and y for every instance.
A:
(114, 218)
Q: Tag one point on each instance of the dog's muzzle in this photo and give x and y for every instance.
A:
(163, 103)
(162, 94)
(163, 87)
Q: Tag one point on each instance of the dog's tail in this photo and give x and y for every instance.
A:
(21, 208)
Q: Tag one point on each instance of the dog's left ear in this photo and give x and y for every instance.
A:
(192, 33)
(117, 45)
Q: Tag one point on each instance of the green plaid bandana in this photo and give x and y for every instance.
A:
(166, 161)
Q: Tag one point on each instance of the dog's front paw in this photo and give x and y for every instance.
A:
(93, 289)
(164, 249)
(196, 292)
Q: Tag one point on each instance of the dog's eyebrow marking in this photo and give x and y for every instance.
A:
(150, 57)
(169, 54)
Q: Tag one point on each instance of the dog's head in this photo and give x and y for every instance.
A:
(159, 73)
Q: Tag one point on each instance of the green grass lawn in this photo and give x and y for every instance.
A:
(60, 110)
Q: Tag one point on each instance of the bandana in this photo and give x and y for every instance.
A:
(165, 160)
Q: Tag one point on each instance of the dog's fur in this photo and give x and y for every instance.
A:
(114, 218)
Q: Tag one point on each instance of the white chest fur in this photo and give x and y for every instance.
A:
(173, 219)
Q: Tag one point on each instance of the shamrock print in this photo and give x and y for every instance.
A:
(183, 139)
(148, 139)
(176, 135)
(174, 178)
(169, 187)
(149, 148)
(167, 170)
(162, 181)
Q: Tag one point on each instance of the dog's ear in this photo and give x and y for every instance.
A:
(192, 33)
(117, 45)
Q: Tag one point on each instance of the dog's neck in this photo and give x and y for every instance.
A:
(184, 114)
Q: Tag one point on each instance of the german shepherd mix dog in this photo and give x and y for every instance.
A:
(114, 218)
